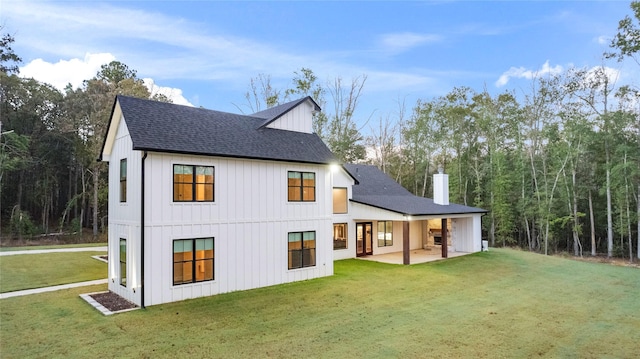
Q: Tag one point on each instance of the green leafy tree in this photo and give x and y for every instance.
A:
(627, 41)
(89, 108)
(8, 59)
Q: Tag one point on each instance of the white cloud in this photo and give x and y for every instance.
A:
(65, 72)
(595, 75)
(603, 40)
(521, 72)
(75, 71)
(399, 42)
(174, 94)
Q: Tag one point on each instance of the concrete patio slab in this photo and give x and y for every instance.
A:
(416, 256)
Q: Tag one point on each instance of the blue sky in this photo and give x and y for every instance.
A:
(206, 52)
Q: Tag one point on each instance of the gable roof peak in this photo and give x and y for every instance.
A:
(273, 113)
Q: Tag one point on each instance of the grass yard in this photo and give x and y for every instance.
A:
(27, 271)
(498, 304)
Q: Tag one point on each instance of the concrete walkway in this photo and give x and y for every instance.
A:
(55, 250)
(19, 293)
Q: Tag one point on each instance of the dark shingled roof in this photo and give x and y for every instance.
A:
(377, 189)
(164, 127)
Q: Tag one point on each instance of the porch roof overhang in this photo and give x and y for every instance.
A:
(410, 205)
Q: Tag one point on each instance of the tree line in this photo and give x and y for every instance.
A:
(50, 179)
(557, 165)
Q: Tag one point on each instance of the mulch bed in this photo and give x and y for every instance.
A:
(112, 301)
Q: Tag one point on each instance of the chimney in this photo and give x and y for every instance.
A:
(441, 188)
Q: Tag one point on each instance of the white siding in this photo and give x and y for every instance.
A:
(250, 220)
(124, 217)
(342, 179)
(299, 119)
(467, 234)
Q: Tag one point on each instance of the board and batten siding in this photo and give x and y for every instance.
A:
(124, 217)
(341, 179)
(467, 233)
(298, 119)
(249, 220)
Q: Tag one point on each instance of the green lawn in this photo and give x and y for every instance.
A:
(26, 271)
(497, 304)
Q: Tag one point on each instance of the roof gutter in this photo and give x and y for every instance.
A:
(144, 157)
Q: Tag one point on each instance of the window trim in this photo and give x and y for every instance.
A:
(194, 184)
(123, 262)
(387, 242)
(346, 236)
(194, 261)
(346, 200)
(301, 187)
(301, 250)
(123, 181)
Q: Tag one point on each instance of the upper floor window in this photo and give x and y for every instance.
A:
(193, 183)
(193, 260)
(302, 186)
(123, 180)
(385, 233)
(339, 200)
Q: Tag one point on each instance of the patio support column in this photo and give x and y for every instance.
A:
(405, 243)
(445, 240)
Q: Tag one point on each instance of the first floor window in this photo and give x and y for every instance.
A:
(385, 233)
(339, 235)
(193, 183)
(193, 260)
(302, 186)
(302, 249)
(123, 262)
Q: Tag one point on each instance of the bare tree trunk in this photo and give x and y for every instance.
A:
(75, 190)
(609, 219)
(577, 245)
(572, 204)
(96, 180)
(593, 225)
(19, 203)
(84, 201)
(529, 239)
(628, 204)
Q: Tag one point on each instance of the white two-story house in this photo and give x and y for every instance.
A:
(203, 202)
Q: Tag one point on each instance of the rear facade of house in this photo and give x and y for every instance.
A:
(204, 202)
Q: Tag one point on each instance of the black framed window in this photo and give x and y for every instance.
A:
(193, 260)
(123, 262)
(302, 186)
(302, 249)
(339, 236)
(123, 180)
(193, 183)
(385, 233)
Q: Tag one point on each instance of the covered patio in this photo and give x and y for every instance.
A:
(394, 226)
